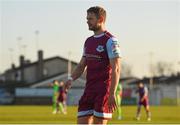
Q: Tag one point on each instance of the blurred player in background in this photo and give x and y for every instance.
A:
(55, 86)
(62, 98)
(118, 101)
(143, 100)
(59, 97)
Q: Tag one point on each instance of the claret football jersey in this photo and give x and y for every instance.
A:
(98, 50)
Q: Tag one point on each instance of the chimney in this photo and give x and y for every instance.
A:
(40, 55)
(13, 66)
(21, 61)
(40, 65)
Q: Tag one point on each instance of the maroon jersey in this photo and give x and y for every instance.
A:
(97, 51)
(143, 91)
(62, 95)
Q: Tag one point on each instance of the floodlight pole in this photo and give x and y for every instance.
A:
(69, 64)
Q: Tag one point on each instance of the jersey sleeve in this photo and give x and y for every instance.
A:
(145, 90)
(84, 55)
(84, 50)
(113, 48)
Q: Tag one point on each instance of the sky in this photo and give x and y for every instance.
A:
(141, 26)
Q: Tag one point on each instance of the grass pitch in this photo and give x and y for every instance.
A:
(43, 115)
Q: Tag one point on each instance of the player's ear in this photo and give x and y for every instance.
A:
(101, 19)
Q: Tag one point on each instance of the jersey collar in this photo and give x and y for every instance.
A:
(100, 35)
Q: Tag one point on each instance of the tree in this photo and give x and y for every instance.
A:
(126, 70)
(163, 68)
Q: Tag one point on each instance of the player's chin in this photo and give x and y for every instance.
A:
(90, 28)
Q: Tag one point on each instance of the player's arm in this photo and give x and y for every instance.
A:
(79, 69)
(136, 91)
(115, 65)
(76, 73)
(142, 99)
(116, 68)
(114, 54)
(145, 94)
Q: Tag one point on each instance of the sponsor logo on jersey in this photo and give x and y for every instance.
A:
(100, 48)
(93, 56)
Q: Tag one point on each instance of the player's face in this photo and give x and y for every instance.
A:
(93, 22)
(140, 85)
(56, 82)
(61, 83)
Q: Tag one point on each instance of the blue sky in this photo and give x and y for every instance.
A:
(142, 26)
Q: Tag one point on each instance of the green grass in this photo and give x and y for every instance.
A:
(43, 115)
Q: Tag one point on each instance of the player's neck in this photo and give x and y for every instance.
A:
(100, 31)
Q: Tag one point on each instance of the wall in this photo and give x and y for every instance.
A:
(158, 95)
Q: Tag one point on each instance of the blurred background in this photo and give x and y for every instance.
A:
(42, 40)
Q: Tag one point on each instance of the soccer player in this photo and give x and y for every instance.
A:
(143, 100)
(101, 58)
(118, 101)
(55, 85)
(62, 98)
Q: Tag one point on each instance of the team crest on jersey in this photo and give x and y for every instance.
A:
(100, 48)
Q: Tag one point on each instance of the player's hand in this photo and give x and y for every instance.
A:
(67, 85)
(112, 102)
(142, 99)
